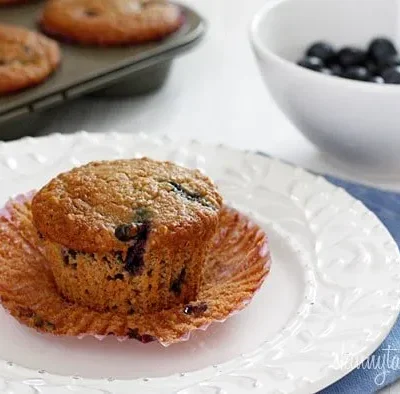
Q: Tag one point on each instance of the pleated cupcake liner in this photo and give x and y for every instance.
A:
(237, 265)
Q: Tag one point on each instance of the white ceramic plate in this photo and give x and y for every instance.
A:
(332, 290)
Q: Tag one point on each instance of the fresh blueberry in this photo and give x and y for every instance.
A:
(333, 69)
(392, 75)
(351, 56)
(372, 67)
(357, 73)
(389, 62)
(321, 50)
(380, 49)
(336, 70)
(312, 63)
(326, 71)
(377, 79)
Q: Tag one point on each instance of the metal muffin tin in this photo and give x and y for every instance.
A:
(106, 71)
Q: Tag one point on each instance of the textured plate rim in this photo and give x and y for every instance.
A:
(330, 375)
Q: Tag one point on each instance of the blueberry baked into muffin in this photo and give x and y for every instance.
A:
(128, 235)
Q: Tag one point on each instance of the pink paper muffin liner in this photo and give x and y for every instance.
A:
(237, 265)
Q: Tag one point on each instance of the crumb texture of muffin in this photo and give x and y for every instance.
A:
(27, 58)
(110, 22)
(128, 235)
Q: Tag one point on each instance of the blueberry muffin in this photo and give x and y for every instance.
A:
(128, 235)
(111, 22)
(27, 58)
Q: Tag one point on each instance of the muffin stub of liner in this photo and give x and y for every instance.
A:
(237, 265)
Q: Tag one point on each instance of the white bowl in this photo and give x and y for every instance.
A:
(358, 122)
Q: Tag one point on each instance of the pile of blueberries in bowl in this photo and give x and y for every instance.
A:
(380, 63)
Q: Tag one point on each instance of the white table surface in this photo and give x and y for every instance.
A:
(213, 94)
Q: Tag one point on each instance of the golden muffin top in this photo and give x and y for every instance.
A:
(102, 205)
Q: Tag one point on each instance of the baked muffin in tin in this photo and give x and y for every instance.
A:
(110, 22)
(27, 58)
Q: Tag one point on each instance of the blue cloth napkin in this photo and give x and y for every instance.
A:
(384, 365)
